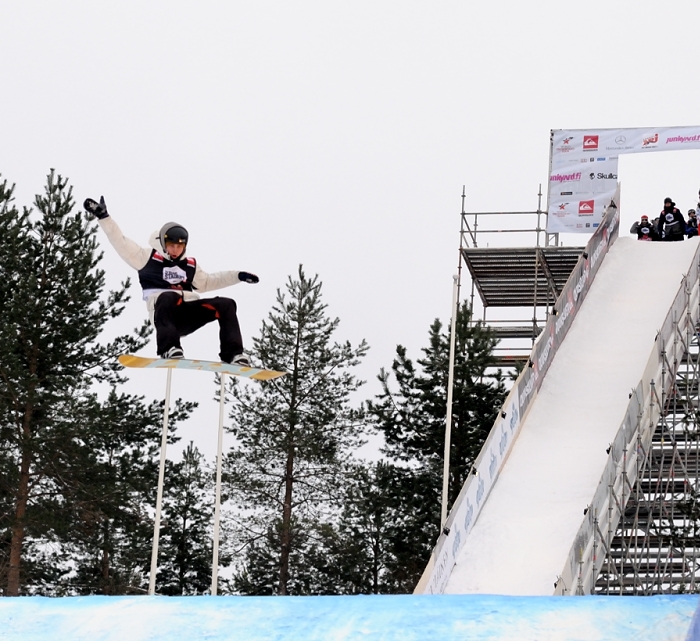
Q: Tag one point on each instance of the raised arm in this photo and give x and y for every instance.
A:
(131, 252)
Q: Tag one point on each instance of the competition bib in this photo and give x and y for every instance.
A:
(174, 275)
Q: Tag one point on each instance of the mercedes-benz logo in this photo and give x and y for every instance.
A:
(620, 140)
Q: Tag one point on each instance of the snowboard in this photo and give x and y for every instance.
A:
(130, 360)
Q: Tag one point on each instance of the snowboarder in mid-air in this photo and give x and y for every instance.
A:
(170, 280)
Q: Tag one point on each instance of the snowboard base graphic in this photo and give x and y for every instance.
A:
(130, 360)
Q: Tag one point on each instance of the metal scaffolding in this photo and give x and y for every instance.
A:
(521, 282)
(656, 545)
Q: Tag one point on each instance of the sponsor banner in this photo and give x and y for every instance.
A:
(493, 454)
(578, 212)
(568, 304)
(584, 172)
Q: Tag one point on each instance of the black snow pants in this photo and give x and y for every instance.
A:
(175, 317)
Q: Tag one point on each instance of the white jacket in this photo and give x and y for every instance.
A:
(136, 256)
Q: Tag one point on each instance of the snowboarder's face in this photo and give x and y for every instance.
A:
(174, 250)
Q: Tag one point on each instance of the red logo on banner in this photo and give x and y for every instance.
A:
(586, 207)
(590, 143)
(651, 140)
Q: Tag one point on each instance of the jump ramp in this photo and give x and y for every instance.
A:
(548, 483)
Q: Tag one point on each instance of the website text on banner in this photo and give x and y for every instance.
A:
(583, 169)
(504, 432)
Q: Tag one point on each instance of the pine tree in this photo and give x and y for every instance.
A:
(188, 508)
(355, 549)
(412, 421)
(294, 439)
(51, 314)
(108, 541)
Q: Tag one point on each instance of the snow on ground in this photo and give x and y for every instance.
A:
(346, 618)
(521, 539)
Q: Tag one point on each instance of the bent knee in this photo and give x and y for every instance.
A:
(226, 304)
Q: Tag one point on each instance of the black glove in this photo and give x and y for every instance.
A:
(247, 277)
(99, 210)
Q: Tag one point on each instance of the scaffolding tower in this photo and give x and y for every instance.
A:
(520, 278)
(656, 545)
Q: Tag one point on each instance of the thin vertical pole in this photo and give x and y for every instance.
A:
(461, 235)
(539, 217)
(217, 500)
(448, 418)
(537, 260)
(549, 189)
(161, 477)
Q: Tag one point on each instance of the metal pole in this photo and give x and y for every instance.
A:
(461, 234)
(159, 498)
(551, 153)
(448, 418)
(217, 501)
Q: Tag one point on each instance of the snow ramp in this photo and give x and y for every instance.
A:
(549, 479)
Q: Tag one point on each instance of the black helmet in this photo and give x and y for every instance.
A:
(173, 233)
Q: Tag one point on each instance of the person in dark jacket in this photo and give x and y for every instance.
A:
(644, 230)
(671, 222)
(691, 225)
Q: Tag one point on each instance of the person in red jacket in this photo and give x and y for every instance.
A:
(170, 280)
(671, 222)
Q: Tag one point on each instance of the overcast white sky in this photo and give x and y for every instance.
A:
(333, 134)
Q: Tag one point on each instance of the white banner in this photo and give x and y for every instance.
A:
(583, 175)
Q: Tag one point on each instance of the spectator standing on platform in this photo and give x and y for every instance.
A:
(691, 225)
(671, 222)
(644, 230)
